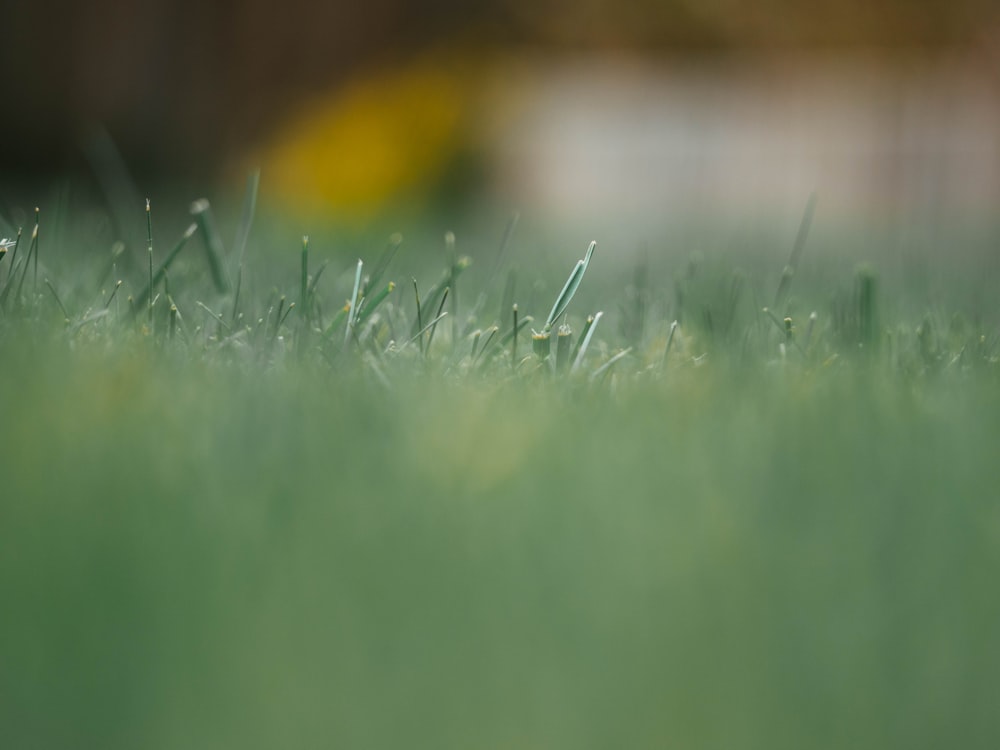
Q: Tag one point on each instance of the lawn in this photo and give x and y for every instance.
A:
(240, 512)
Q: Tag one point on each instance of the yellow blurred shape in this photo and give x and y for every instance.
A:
(378, 139)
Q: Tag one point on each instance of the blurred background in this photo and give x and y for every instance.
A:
(642, 110)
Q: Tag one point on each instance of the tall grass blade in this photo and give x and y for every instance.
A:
(419, 334)
(670, 343)
(149, 249)
(382, 264)
(522, 323)
(793, 260)
(509, 287)
(37, 240)
(866, 284)
(146, 293)
(111, 297)
(214, 249)
(215, 315)
(569, 289)
(588, 334)
(9, 284)
(59, 302)
(513, 345)
(353, 311)
(115, 181)
(304, 276)
(369, 307)
(486, 345)
(430, 337)
(420, 320)
(246, 215)
(501, 255)
(27, 258)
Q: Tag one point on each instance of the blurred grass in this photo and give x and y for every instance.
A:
(194, 554)
(244, 533)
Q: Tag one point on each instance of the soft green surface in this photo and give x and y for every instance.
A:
(206, 558)
(262, 545)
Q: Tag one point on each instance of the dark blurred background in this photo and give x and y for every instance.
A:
(563, 105)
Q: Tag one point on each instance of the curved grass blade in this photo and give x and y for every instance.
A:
(572, 284)
(423, 330)
(610, 363)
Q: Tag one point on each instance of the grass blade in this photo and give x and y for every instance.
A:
(369, 307)
(382, 264)
(522, 323)
(214, 249)
(304, 274)
(27, 259)
(246, 215)
(793, 261)
(569, 289)
(149, 248)
(610, 363)
(162, 270)
(585, 342)
(59, 301)
(433, 326)
(352, 313)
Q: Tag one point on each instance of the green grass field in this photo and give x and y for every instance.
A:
(231, 522)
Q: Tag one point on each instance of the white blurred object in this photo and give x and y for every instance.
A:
(874, 138)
